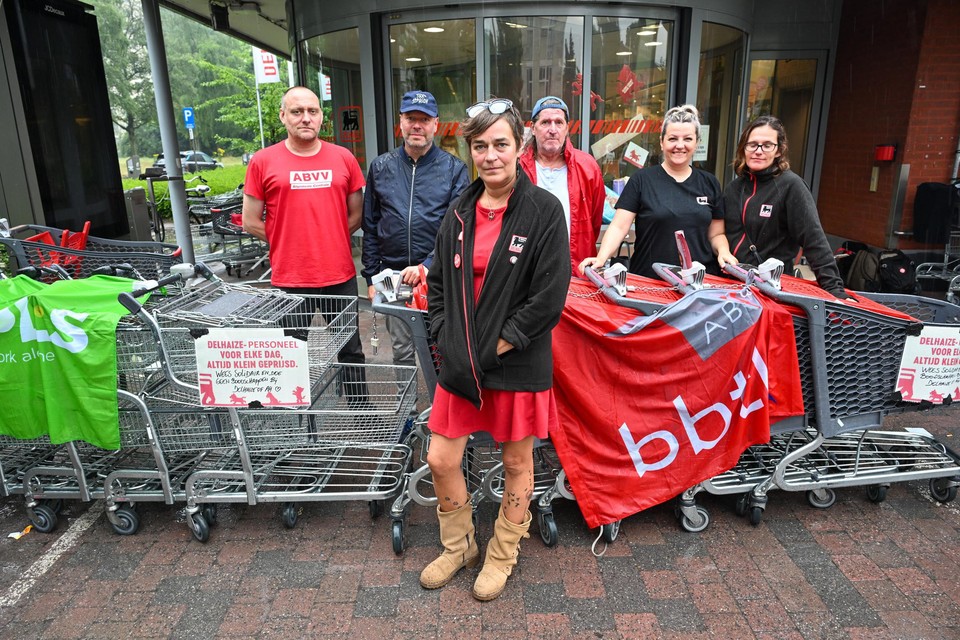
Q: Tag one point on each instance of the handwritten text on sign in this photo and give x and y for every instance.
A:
(930, 368)
(238, 366)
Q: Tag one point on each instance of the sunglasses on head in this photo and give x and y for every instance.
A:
(495, 106)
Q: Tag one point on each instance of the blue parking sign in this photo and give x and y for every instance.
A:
(188, 117)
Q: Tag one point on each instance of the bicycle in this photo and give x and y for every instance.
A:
(197, 201)
(198, 204)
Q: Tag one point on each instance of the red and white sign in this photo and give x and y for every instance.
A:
(636, 155)
(930, 367)
(236, 367)
(326, 92)
(266, 66)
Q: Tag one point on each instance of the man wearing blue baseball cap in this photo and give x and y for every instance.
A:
(552, 163)
(408, 192)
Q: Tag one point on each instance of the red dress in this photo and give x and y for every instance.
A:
(507, 416)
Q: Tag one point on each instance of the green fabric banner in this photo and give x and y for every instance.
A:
(58, 359)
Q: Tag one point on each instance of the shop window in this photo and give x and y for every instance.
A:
(718, 97)
(438, 56)
(631, 72)
(332, 63)
(549, 49)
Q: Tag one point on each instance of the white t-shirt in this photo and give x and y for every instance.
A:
(555, 181)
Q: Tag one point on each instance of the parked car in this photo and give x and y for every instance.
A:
(192, 161)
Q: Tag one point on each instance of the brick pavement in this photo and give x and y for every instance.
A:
(858, 570)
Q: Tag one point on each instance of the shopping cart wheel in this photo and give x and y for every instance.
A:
(548, 528)
(877, 493)
(943, 489)
(610, 531)
(199, 527)
(396, 535)
(44, 518)
(376, 508)
(128, 521)
(821, 498)
(755, 515)
(289, 515)
(209, 512)
(702, 522)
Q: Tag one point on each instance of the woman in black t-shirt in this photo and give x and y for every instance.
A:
(666, 198)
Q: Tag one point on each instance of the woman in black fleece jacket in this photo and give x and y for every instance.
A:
(770, 212)
(496, 290)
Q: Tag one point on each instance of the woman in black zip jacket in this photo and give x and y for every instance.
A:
(495, 291)
(770, 212)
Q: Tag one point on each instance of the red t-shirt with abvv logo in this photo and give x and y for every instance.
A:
(306, 223)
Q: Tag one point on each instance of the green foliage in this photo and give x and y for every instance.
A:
(237, 106)
(209, 71)
(219, 180)
(127, 67)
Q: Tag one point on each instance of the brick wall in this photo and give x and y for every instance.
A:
(935, 117)
(896, 81)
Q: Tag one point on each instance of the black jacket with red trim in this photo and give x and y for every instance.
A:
(776, 216)
(523, 294)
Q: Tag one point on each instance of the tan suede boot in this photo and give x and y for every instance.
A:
(502, 553)
(459, 547)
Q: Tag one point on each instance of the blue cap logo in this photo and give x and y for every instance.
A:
(422, 101)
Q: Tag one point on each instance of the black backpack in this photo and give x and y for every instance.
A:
(864, 272)
(898, 273)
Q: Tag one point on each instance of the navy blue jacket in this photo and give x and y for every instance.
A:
(403, 205)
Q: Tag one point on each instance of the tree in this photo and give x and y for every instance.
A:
(237, 105)
(208, 71)
(127, 67)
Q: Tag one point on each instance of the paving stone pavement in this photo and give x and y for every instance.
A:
(857, 570)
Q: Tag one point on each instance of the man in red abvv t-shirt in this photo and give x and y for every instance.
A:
(313, 195)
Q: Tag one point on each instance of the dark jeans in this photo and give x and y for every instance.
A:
(353, 380)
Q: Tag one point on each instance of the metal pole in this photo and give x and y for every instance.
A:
(168, 128)
(259, 112)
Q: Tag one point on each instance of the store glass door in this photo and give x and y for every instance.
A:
(788, 87)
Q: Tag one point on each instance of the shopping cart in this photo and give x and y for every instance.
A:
(343, 446)
(481, 463)
(150, 260)
(852, 359)
(47, 474)
(848, 359)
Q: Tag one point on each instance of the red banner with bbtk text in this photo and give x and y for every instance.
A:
(651, 405)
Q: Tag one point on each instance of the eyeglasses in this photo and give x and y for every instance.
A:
(495, 106)
(766, 146)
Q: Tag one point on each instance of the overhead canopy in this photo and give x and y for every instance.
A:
(262, 23)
